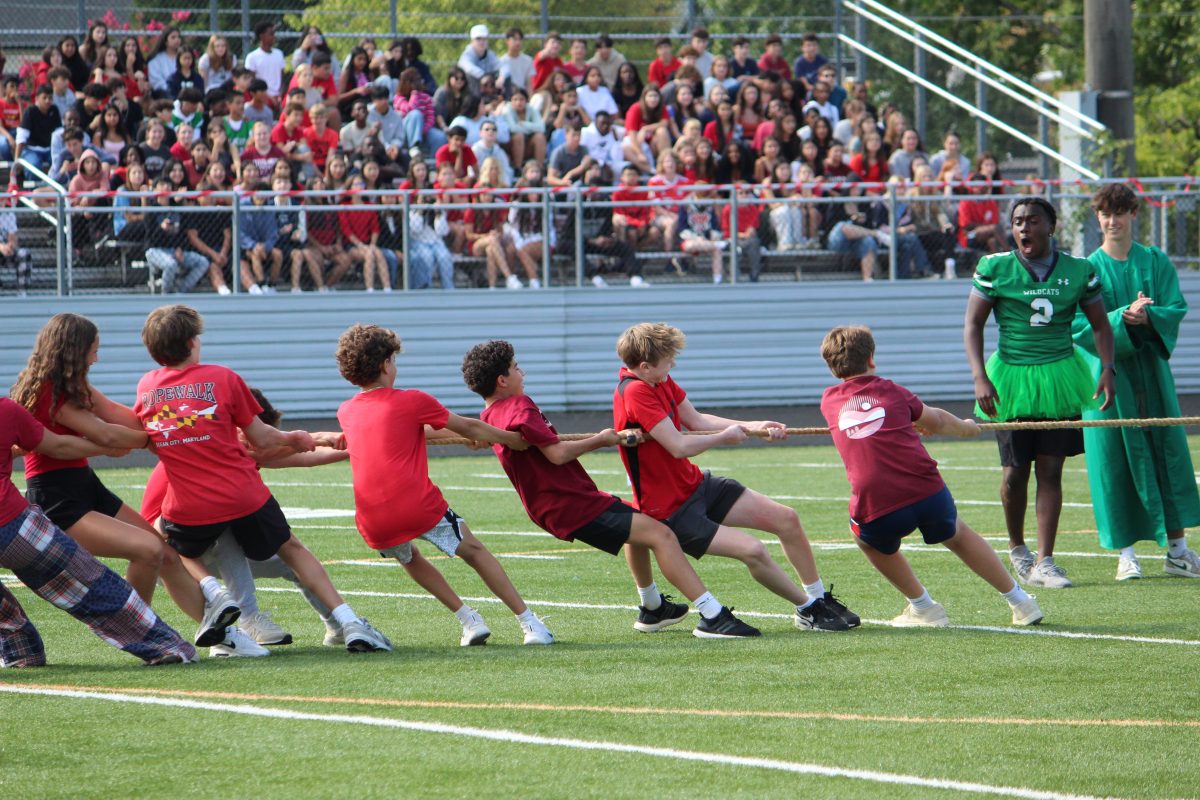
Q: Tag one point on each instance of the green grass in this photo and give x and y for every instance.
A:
(960, 705)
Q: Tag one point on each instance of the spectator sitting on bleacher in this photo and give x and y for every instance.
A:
(312, 42)
(355, 83)
(979, 226)
(489, 147)
(699, 232)
(547, 60)
(527, 129)
(337, 172)
(721, 76)
(477, 58)
(810, 61)
(184, 136)
(516, 68)
(871, 165)
(259, 108)
(608, 59)
(734, 165)
(662, 68)
(705, 168)
(175, 174)
(259, 232)
(217, 63)
(628, 89)
(197, 163)
(186, 75)
(63, 93)
(167, 247)
(88, 227)
(12, 254)
(428, 229)
(633, 224)
(667, 184)
(360, 234)
(261, 151)
(598, 236)
(266, 61)
(66, 163)
(131, 64)
(78, 67)
(456, 153)
(355, 132)
(951, 151)
(217, 175)
(772, 59)
(850, 232)
(320, 139)
(448, 99)
(387, 126)
(569, 161)
(324, 77)
(576, 64)
(834, 165)
(161, 65)
(210, 235)
(748, 242)
(411, 51)
(292, 239)
(90, 105)
(10, 118)
(288, 136)
(930, 222)
(602, 142)
(235, 125)
(901, 162)
(524, 228)
(483, 225)
(446, 183)
(594, 96)
(110, 136)
(324, 236)
(764, 165)
(797, 226)
(810, 156)
(415, 108)
(130, 225)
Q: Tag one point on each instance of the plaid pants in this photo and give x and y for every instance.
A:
(61, 572)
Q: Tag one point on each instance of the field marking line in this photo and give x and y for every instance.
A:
(1031, 631)
(640, 710)
(515, 737)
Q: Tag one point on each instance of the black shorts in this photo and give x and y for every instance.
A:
(66, 495)
(695, 522)
(1018, 448)
(936, 516)
(610, 530)
(260, 534)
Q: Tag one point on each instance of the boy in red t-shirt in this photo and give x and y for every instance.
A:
(561, 498)
(702, 509)
(876, 426)
(631, 223)
(665, 65)
(385, 430)
(192, 413)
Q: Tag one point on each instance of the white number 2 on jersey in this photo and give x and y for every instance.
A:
(1043, 312)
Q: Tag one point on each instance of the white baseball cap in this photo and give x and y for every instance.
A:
(479, 32)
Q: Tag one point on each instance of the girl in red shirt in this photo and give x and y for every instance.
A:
(360, 234)
(871, 165)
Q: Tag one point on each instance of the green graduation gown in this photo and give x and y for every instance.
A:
(1142, 480)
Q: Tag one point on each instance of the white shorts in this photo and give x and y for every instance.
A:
(445, 536)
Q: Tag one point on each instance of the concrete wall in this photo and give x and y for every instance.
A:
(748, 345)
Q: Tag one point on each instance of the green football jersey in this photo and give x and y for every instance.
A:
(1035, 316)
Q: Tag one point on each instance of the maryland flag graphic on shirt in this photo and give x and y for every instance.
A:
(168, 420)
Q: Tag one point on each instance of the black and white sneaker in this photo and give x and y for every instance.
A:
(839, 608)
(667, 613)
(819, 617)
(724, 626)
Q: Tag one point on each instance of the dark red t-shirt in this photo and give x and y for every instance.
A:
(871, 419)
(17, 426)
(559, 498)
(36, 463)
(192, 416)
(665, 481)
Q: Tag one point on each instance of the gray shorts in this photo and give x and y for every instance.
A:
(695, 522)
(445, 536)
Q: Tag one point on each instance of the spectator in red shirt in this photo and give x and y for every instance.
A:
(319, 137)
(576, 64)
(632, 223)
(288, 136)
(10, 119)
(261, 152)
(979, 220)
(663, 68)
(547, 60)
(360, 233)
(748, 215)
(870, 165)
(772, 59)
(456, 153)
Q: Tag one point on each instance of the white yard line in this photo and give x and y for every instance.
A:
(516, 737)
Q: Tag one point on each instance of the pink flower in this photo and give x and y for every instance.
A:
(154, 25)
(181, 16)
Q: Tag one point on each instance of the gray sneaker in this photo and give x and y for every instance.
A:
(218, 615)
(361, 637)
(1023, 561)
(1049, 575)
(1186, 565)
(264, 630)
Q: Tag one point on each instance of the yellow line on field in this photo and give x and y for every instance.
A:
(645, 710)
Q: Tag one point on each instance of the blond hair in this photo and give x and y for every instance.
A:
(649, 343)
(848, 350)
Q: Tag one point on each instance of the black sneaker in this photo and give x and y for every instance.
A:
(724, 626)
(667, 613)
(840, 609)
(819, 617)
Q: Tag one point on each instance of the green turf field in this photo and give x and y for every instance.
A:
(1097, 701)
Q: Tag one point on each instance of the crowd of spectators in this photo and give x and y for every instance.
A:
(105, 116)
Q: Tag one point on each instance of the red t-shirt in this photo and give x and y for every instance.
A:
(454, 214)
(777, 65)
(666, 481)
(661, 73)
(874, 173)
(359, 224)
(155, 494)
(10, 115)
(542, 68)
(17, 426)
(676, 190)
(321, 145)
(394, 500)
(280, 135)
(871, 419)
(636, 216)
(264, 161)
(192, 416)
(444, 156)
(748, 219)
(36, 463)
(972, 214)
(558, 498)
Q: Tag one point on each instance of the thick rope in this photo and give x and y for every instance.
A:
(1151, 422)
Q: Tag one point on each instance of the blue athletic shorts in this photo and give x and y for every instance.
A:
(936, 516)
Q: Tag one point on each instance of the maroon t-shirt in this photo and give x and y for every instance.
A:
(559, 498)
(663, 481)
(871, 419)
(17, 426)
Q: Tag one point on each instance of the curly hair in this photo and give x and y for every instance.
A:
(363, 350)
(60, 360)
(269, 413)
(484, 364)
(848, 350)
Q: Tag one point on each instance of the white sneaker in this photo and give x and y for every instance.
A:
(268, 289)
(1186, 565)
(218, 615)
(334, 635)
(262, 629)
(535, 283)
(223, 290)
(950, 273)
(361, 637)
(932, 617)
(387, 290)
(1027, 612)
(255, 289)
(1049, 575)
(1023, 561)
(237, 644)
(513, 282)
(599, 282)
(474, 631)
(370, 289)
(637, 282)
(1128, 568)
(718, 278)
(297, 290)
(536, 632)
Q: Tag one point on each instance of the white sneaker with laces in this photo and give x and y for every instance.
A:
(513, 282)
(474, 631)
(1049, 575)
(536, 632)
(932, 617)
(362, 637)
(237, 645)
(218, 615)
(264, 630)
(1128, 568)
(334, 636)
(1023, 560)
(535, 283)
(599, 282)
(1186, 565)
(637, 282)
(1027, 612)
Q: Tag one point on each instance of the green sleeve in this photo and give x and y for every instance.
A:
(985, 273)
(1094, 285)
(1169, 306)
(1124, 344)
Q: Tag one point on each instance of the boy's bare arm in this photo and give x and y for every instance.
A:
(87, 424)
(66, 447)
(694, 420)
(940, 421)
(681, 446)
(564, 452)
(481, 431)
(265, 437)
(317, 458)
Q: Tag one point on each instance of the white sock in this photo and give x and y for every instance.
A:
(816, 590)
(527, 618)
(707, 605)
(923, 602)
(1177, 547)
(811, 599)
(1127, 552)
(464, 614)
(210, 587)
(1015, 595)
(651, 597)
(343, 615)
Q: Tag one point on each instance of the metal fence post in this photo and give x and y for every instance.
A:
(837, 39)
(980, 125)
(544, 18)
(405, 232)
(580, 255)
(247, 39)
(235, 247)
(893, 237)
(1044, 139)
(214, 16)
(690, 16)
(392, 19)
(61, 244)
(733, 234)
(860, 58)
(82, 17)
(919, 99)
(547, 230)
